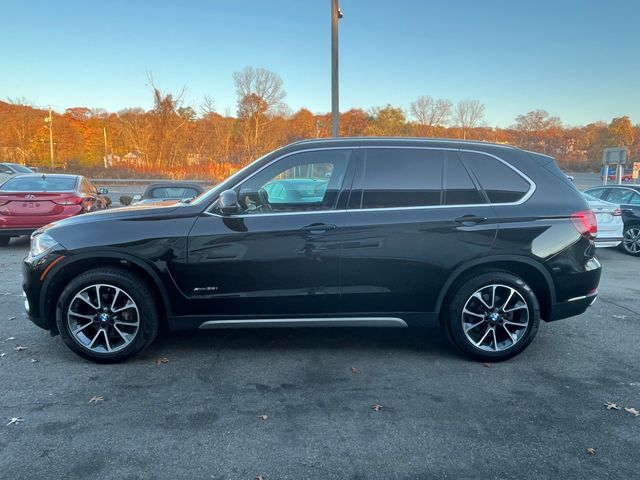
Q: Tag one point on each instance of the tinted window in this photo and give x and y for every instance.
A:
(400, 177)
(172, 192)
(597, 192)
(499, 181)
(459, 189)
(40, 184)
(300, 182)
(635, 200)
(620, 196)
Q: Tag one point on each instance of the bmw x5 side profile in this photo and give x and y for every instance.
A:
(485, 239)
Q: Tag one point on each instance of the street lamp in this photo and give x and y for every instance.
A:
(336, 14)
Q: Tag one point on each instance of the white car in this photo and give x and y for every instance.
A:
(9, 170)
(609, 220)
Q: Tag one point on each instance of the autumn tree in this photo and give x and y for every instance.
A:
(537, 130)
(387, 121)
(468, 114)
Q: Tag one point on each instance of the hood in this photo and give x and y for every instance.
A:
(134, 211)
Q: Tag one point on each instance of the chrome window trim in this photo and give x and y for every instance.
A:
(527, 196)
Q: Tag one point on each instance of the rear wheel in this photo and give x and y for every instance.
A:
(492, 316)
(4, 241)
(107, 315)
(631, 240)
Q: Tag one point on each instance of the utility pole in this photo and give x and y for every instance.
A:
(106, 150)
(336, 14)
(49, 123)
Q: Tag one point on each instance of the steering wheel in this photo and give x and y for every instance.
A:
(265, 206)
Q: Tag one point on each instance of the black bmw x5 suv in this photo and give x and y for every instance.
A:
(374, 232)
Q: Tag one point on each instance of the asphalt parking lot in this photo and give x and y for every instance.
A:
(198, 415)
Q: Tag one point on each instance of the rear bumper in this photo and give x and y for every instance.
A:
(572, 307)
(608, 242)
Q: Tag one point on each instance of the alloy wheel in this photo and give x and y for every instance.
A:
(495, 318)
(631, 240)
(103, 318)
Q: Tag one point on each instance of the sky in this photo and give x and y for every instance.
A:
(579, 60)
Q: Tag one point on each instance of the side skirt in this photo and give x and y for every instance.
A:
(392, 322)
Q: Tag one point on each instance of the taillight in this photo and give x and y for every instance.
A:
(69, 201)
(585, 223)
(617, 212)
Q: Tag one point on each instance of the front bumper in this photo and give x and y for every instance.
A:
(36, 276)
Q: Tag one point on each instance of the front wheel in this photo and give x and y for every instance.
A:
(631, 240)
(107, 315)
(492, 316)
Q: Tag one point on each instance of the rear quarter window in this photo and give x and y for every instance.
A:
(500, 182)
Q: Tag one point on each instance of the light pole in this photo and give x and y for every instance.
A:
(49, 124)
(336, 14)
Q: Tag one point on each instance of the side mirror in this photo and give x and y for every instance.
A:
(228, 202)
(137, 197)
(103, 191)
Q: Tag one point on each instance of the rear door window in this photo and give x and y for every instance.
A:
(459, 188)
(620, 196)
(402, 177)
(598, 193)
(500, 182)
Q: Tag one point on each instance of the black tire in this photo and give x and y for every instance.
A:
(463, 296)
(628, 243)
(146, 313)
(4, 241)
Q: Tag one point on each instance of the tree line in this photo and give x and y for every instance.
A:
(176, 140)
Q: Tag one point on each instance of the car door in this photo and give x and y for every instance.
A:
(273, 259)
(414, 215)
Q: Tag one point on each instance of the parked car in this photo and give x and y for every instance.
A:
(28, 202)
(612, 176)
(167, 192)
(609, 220)
(8, 170)
(486, 239)
(627, 197)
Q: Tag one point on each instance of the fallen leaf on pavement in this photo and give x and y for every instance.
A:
(354, 370)
(15, 421)
(633, 411)
(612, 406)
(376, 407)
(10, 338)
(259, 477)
(96, 399)
(591, 451)
(3, 354)
(161, 360)
(12, 318)
(33, 360)
(19, 348)
(488, 365)
(263, 417)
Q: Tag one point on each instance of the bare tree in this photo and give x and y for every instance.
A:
(262, 83)
(468, 114)
(430, 113)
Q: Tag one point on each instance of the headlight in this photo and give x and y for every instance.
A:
(41, 243)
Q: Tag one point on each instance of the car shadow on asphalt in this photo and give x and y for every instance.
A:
(427, 340)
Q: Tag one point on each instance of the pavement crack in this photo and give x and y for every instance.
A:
(611, 302)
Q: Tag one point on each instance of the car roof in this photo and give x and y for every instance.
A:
(631, 187)
(175, 185)
(395, 141)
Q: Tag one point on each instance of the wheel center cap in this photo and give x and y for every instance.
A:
(103, 317)
(494, 317)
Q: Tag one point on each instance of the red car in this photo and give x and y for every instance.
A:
(28, 202)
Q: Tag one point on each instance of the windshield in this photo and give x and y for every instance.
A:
(40, 184)
(20, 168)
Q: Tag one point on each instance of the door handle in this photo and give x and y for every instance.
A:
(470, 219)
(319, 228)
